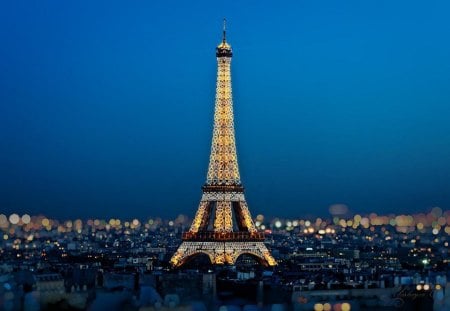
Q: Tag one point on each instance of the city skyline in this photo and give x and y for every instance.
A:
(102, 118)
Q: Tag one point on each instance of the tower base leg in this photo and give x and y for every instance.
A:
(220, 253)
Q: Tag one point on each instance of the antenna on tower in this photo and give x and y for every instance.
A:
(224, 30)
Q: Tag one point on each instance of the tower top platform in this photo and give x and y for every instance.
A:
(224, 49)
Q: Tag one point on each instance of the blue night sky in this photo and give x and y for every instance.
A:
(106, 109)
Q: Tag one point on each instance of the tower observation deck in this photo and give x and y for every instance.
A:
(223, 228)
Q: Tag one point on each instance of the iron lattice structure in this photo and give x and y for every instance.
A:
(223, 228)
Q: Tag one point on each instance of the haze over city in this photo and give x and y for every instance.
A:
(106, 110)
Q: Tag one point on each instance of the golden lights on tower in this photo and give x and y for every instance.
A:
(223, 194)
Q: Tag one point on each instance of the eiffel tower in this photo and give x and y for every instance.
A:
(223, 228)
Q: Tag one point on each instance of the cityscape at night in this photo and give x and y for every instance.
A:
(317, 134)
(370, 262)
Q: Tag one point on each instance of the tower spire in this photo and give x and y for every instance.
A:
(224, 39)
(224, 49)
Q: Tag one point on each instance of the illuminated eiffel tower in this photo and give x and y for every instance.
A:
(223, 228)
